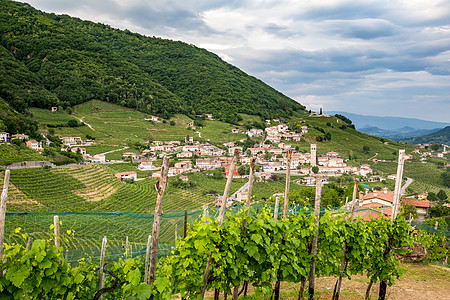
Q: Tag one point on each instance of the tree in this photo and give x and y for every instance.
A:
(315, 169)
(172, 123)
(406, 210)
(432, 197)
(72, 123)
(244, 170)
(442, 195)
(366, 149)
(435, 147)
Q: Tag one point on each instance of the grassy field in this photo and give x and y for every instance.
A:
(45, 116)
(124, 124)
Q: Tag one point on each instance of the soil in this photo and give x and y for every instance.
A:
(419, 282)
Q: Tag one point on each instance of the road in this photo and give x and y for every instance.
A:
(241, 189)
(405, 186)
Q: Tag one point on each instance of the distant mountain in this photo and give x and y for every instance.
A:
(396, 124)
(401, 133)
(439, 137)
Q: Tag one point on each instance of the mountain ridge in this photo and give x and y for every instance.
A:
(390, 123)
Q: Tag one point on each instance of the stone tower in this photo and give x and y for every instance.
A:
(313, 155)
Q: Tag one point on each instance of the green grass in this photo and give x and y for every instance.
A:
(45, 116)
(124, 124)
(220, 132)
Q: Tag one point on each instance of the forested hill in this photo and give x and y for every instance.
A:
(56, 60)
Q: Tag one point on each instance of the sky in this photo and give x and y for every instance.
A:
(380, 57)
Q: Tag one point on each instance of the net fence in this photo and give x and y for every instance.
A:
(81, 233)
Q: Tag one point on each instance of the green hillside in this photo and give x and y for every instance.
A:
(439, 137)
(49, 60)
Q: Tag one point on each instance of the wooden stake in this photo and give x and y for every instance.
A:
(4, 198)
(176, 232)
(355, 192)
(276, 208)
(101, 282)
(185, 224)
(226, 193)
(126, 248)
(250, 182)
(29, 243)
(288, 181)
(160, 187)
(147, 255)
(312, 271)
(56, 231)
(398, 184)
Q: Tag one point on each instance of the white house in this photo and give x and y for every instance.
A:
(126, 175)
(146, 166)
(35, 145)
(4, 137)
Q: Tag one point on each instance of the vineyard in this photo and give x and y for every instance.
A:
(249, 249)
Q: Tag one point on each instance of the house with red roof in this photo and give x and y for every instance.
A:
(383, 201)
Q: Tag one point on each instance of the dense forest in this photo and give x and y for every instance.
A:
(56, 60)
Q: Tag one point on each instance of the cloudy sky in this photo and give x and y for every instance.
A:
(380, 57)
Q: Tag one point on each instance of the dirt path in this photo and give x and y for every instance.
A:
(419, 282)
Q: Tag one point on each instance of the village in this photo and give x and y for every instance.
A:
(271, 158)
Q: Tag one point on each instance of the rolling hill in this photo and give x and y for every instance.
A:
(55, 60)
(438, 137)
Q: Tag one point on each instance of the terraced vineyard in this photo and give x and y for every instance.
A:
(100, 183)
(54, 191)
(11, 153)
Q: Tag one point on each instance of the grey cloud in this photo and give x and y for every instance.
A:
(362, 28)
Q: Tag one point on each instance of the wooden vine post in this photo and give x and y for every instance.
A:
(56, 231)
(247, 206)
(160, 188)
(101, 282)
(344, 262)
(288, 181)
(285, 212)
(355, 192)
(395, 209)
(398, 184)
(223, 206)
(312, 271)
(250, 183)
(147, 256)
(4, 197)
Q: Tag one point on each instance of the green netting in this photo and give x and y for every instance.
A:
(88, 229)
(441, 230)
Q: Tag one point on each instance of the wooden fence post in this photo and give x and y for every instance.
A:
(398, 184)
(29, 243)
(126, 248)
(312, 271)
(176, 232)
(185, 224)
(276, 208)
(101, 282)
(4, 198)
(223, 206)
(147, 256)
(160, 187)
(56, 231)
(250, 182)
(288, 181)
(355, 192)
(285, 212)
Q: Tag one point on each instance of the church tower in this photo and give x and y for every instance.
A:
(313, 155)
